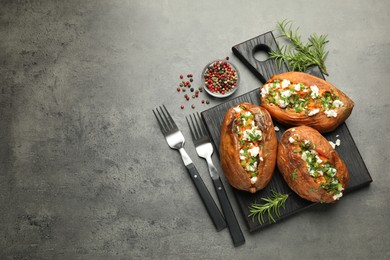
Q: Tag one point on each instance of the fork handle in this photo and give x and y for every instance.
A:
(234, 228)
(208, 201)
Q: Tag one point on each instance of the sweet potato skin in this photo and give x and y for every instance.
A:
(289, 161)
(320, 121)
(229, 150)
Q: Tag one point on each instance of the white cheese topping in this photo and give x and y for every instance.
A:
(242, 157)
(314, 91)
(264, 90)
(253, 180)
(297, 87)
(337, 143)
(285, 94)
(318, 159)
(261, 158)
(276, 128)
(304, 155)
(237, 109)
(285, 83)
(313, 112)
(338, 103)
(334, 171)
(254, 131)
(330, 113)
(282, 103)
(337, 196)
(251, 168)
(254, 151)
(291, 140)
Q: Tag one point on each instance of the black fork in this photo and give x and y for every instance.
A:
(175, 140)
(204, 148)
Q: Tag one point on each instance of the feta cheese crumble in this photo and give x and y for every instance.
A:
(282, 103)
(337, 196)
(265, 90)
(330, 113)
(253, 180)
(314, 91)
(285, 94)
(254, 151)
(285, 83)
(314, 111)
(237, 109)
(338, 103)
(242, 156)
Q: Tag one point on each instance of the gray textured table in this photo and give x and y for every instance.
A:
(84, 170)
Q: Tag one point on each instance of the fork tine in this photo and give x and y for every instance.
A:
(169, 119)
(195, 126)
(191, 128)
(202, 126)
(161, 121)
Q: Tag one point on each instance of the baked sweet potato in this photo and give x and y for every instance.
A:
(310, 166)
(296, 98)
(248, 147)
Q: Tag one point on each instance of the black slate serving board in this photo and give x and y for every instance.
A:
(213, 117)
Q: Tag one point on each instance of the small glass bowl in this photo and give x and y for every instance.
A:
(217, 93)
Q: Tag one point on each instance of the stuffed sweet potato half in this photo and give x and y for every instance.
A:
(248, 147)
(310, 166)
(296, 98)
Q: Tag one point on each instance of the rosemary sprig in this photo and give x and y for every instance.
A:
(272, 205)
(301, 56)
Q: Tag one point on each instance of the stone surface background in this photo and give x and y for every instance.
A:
(84, 170)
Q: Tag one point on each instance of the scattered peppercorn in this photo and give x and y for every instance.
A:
(207, 102)
(184, 84)
(227, 58)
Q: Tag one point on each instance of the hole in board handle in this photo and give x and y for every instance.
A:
(261, 52)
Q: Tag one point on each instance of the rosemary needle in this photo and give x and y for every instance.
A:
(272, 205)
(300, 56)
